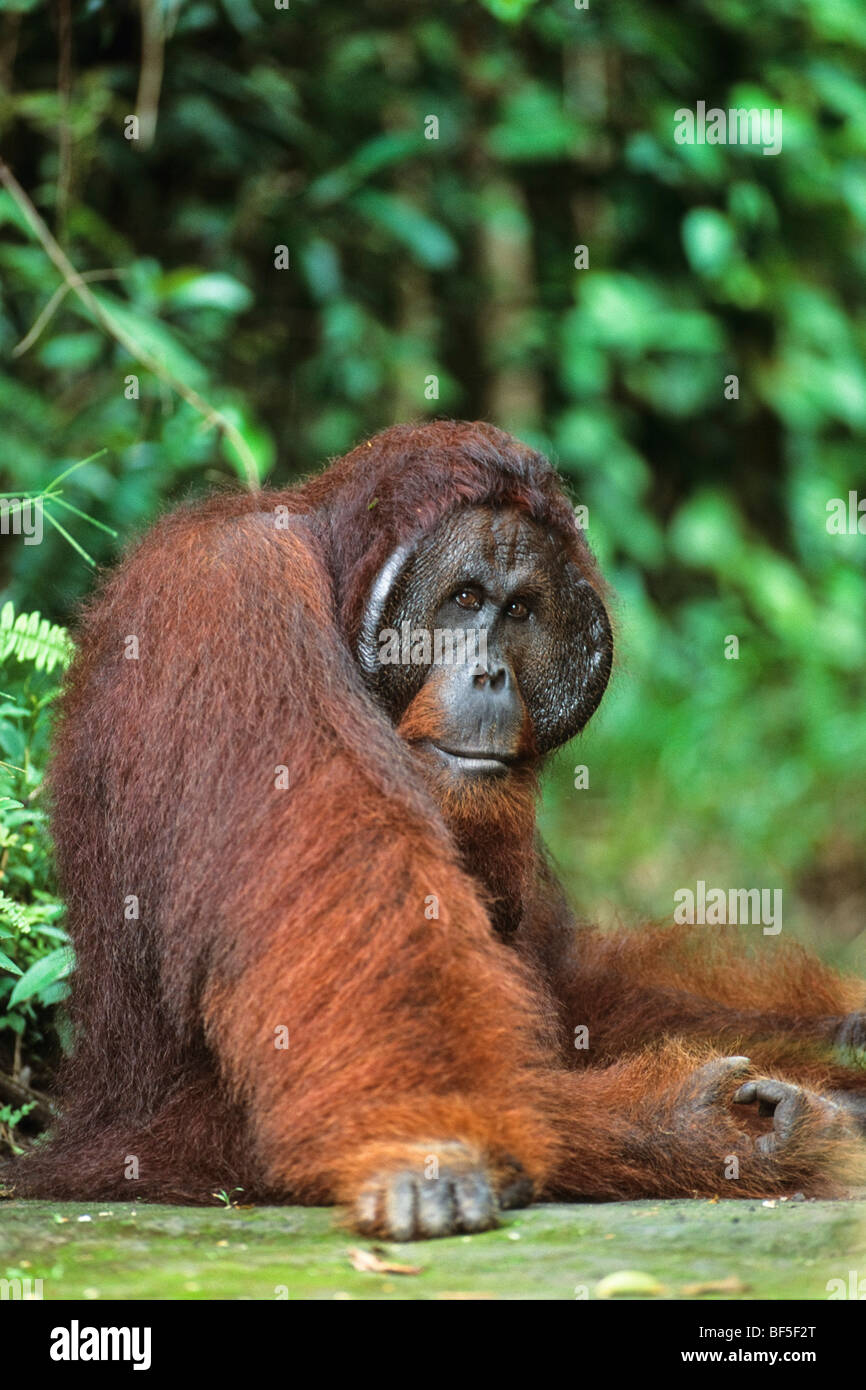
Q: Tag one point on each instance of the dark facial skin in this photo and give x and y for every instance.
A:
(548, 643)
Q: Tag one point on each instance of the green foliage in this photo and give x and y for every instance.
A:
(31, 637)
(34, 954)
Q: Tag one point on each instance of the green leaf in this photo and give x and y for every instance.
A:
(194, 290)
(55, 966)
(9, 209)
(708, 240)
(509, 11)
(377, 154)
(8, 964)
(535, 125)
(71, 351)
(322, 268)
(242, 14)
(154, 337)
(257, 439)
(429, 242)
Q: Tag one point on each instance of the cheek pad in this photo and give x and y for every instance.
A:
(394, 684)
(567, 675)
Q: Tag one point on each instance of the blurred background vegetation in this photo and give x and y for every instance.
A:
(454, 258)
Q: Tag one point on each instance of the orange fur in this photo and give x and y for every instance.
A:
(411, 1032)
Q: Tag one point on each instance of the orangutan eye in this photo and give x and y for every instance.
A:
(468, 598)
(517, 609)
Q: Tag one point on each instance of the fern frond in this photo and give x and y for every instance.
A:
(13, 914)
(30, 637)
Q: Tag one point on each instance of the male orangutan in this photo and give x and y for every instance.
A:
(321, 956)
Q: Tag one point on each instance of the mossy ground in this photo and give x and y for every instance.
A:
(128, 1251)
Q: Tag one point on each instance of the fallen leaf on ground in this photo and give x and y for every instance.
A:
(376, 1262)
(730, 1285)
(628, 1281)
